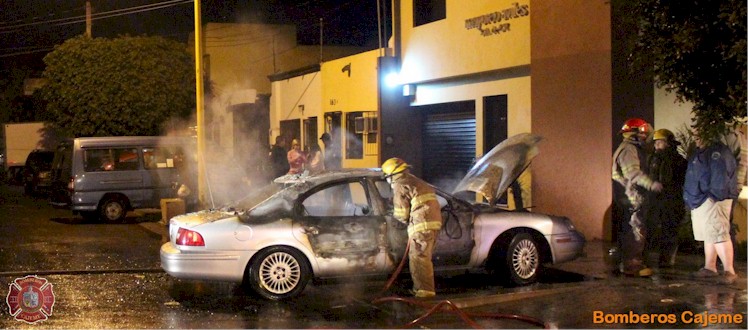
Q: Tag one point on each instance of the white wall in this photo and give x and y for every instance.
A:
(287, 95)
(670, 113)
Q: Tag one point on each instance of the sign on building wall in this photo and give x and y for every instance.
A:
(497, 22)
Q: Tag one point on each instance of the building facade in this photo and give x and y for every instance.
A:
(469, 74)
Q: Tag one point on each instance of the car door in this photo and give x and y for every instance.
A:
(455, 241)
(343, 227)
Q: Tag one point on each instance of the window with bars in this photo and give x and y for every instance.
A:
(362, 134)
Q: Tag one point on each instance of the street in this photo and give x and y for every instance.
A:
(108, 276)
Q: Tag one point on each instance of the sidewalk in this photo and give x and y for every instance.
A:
(597, 264)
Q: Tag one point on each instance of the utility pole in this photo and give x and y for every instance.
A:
(321, 39)
(88, 19)
(201, 177)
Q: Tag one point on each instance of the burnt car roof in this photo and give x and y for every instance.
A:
(328, 175)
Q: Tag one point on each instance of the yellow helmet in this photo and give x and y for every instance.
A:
(663, 134)
(394, 166)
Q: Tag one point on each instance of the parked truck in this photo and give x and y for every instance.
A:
(20, 140)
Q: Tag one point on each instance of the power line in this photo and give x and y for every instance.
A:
(40, 50)
(97, 16)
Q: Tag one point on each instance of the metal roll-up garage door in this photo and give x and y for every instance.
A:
(449, 147)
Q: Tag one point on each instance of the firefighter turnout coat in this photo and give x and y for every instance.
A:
(415, 204)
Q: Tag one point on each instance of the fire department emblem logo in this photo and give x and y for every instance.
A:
(30, 299)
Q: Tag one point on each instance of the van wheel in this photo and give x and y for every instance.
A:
(113, 210)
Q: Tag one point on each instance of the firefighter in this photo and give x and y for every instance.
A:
(416, 206)
(629, 164)
(667, 208)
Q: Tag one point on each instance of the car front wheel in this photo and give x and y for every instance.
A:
(523, 259)
(279, 273)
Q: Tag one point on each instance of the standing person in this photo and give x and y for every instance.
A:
(628, 163)
(711, 185)
(415, 205)
(332, 153)
(295, 158)
(666, 210)
(278, 154)
(314, 161)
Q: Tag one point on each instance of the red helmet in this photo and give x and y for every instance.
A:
(635, 125)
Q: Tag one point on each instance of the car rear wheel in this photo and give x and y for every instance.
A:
(279, 273)
(113, 210)
(523, 259)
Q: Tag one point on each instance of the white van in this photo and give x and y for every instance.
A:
(104, 177)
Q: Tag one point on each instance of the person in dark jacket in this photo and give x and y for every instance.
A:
(667, 209)
(710, 187)
(278, 154)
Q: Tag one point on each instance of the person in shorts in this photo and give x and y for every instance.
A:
(710, 187)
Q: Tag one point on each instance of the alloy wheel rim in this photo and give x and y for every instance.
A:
(280, 273)
(525, 259)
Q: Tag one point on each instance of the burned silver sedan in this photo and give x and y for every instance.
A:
(340, 224)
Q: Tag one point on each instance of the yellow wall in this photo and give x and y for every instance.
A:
(355, 93)
(239, 59)
(449, 47)
(349, 94)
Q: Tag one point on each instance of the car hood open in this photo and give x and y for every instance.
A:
(493, 173)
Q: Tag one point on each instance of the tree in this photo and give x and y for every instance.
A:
(698, 52)
(122, 86)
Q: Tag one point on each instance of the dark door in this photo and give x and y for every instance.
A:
(333, 125)
(290, 129)
(495, 121)
(448, 142)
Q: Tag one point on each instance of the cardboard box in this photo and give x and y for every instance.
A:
(171, 207)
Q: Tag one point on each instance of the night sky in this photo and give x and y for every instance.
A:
(30, 28)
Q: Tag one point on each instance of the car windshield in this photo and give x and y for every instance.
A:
(42, 160)
(258, 196)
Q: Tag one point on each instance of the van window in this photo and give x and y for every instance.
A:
(162, 157)
(111, 159)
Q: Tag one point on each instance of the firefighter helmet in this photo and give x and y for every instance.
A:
(635, 125)
(394, 166)
(664, 134)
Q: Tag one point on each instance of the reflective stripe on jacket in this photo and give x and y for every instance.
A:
(415, 204)
(627, 170)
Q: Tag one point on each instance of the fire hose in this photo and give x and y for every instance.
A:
(447, 305)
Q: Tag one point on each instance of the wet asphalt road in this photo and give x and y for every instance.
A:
(108, 276)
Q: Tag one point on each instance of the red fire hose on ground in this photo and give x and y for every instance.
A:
(446, 305)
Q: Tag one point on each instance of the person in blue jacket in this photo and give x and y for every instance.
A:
(709, 189)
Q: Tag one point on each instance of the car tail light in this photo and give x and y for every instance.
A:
(189, 238)
(71, 184)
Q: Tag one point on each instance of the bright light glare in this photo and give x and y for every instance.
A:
(392, 79)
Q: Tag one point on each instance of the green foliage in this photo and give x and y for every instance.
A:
(698, 49)
(122, 86)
